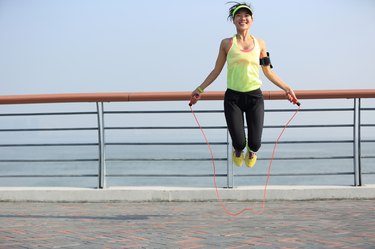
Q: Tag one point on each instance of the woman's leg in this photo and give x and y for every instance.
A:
(255, 121)
(235, 120)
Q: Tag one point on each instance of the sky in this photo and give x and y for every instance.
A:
(91, 46)
(86, 46)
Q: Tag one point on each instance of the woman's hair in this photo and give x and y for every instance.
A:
(237, 6)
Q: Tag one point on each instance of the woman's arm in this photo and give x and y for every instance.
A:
(273, 77)
(220, 62)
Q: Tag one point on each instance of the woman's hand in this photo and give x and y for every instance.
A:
(195, 96)
(291, 96)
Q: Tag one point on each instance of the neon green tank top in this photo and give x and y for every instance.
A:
(243, 67)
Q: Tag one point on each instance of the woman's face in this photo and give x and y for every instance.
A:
(243, 20)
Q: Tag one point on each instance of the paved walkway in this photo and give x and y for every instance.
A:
(285, 224)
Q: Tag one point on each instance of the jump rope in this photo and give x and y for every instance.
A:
(193, 100)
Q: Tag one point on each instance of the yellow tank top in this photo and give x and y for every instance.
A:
(243, 67)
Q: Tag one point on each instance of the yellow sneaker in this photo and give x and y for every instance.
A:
(238, 160)
(250, 159)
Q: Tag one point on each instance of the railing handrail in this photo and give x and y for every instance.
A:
(174, 96)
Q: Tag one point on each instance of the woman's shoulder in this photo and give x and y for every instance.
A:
(226, 43)
(260, 40)
(227, 40)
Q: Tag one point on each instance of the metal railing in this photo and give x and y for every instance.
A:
(111, 145)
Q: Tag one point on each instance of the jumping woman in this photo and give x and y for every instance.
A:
(244, 55)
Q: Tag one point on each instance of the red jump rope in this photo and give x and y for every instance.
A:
(194, 100)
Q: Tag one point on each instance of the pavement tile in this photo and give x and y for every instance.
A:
(285, 224)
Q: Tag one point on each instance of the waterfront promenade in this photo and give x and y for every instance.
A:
(285, 224)
(35, 212)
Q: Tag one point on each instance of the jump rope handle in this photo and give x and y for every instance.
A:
(194, 99)
(295, 101)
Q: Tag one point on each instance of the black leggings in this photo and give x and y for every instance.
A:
(252, 104)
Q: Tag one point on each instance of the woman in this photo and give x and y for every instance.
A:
(244, 54)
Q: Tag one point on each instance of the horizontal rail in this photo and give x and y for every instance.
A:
(221, 159)
(48, 160)
(174, 96)
(217, 127)
(299, 174)
(175, 128)
(47, 114)
(176, 143)
(49, 129)
(46, 176)
(47, 145)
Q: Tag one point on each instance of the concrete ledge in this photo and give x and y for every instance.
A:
(133, 194)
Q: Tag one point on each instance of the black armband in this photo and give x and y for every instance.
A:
(266, 61)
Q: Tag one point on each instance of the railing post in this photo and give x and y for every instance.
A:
(229, 162)
(355, 141)
(101, 142)
(359, 144)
